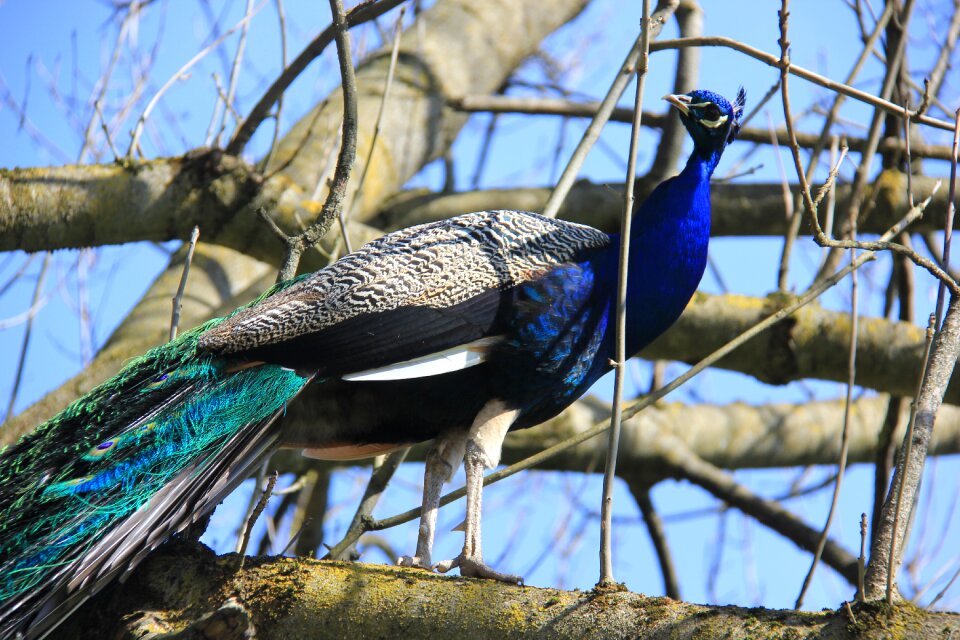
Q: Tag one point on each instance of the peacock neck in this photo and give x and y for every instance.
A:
(668, 249)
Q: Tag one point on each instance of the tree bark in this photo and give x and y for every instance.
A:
(296, 598)
(738, 209)
(158, 200)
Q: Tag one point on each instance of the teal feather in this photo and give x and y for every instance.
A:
(164, 419)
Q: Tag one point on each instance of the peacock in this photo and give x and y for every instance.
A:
(455, 331)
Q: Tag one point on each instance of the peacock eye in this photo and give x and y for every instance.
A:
(712, 112)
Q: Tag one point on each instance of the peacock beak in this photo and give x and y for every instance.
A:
(680, 101)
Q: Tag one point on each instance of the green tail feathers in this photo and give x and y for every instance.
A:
(164, 421)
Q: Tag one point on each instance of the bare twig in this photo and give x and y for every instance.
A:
(892, 565)
(348, 151)
(669, 151)
(939, 363)
(106, 130)
(281, 18)
(683, 462)
(948, 224)
(939, 70)
(943, 591)
(346, 548)
(255, 514)
(800, 72)
(583, 109)
(792, 213)
(811, 207)
(620, 348)
(138, 130)
(178, 297)
(862, 558)
(658, 536)
(21, 360)
(845, 433)
(234, 74)
(387, 84)
(855, 206)
(821, 141)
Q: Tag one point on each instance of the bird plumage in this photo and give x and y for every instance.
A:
(457, 330)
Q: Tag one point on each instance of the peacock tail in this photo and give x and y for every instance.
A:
(94, 489)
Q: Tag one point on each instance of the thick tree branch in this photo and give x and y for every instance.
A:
(810, 344)
(733, 436)
(738, 209)
(295, 598)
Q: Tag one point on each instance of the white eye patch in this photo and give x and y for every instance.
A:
(713, 124)
(710, 124)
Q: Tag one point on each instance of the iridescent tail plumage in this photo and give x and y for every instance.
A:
(89, 493)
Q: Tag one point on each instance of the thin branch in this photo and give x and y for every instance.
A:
(819, 237)
(800, 72)
(255, 515)
(687, 465)
(138, 130)
(346, 548)
(939, 363)
(234, 74)
(585, 109)
(388, 83)
(943, 591)
(861, 559)
(348, 151)
(620, 352)
(821, 141)
(892, 565)
(855, 205)
(845, 432)
(658, 536)
(106, 131)
(281, 18)
(178, 298)
(21, 360)
(948, 224)
(690, 24)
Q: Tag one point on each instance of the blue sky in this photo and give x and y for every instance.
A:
(50, 62)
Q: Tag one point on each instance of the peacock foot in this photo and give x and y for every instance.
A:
(474, 567)
(417, 562)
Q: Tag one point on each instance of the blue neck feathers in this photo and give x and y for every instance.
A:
(668, 251)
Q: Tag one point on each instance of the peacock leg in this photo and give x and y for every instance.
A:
(483, 448)
(442, 461)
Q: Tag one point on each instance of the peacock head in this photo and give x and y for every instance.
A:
(712, 120)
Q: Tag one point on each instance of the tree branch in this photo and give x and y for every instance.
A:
(296, 598)
(737, 209)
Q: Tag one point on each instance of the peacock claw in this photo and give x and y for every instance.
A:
(415, 562)
(475, 568)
